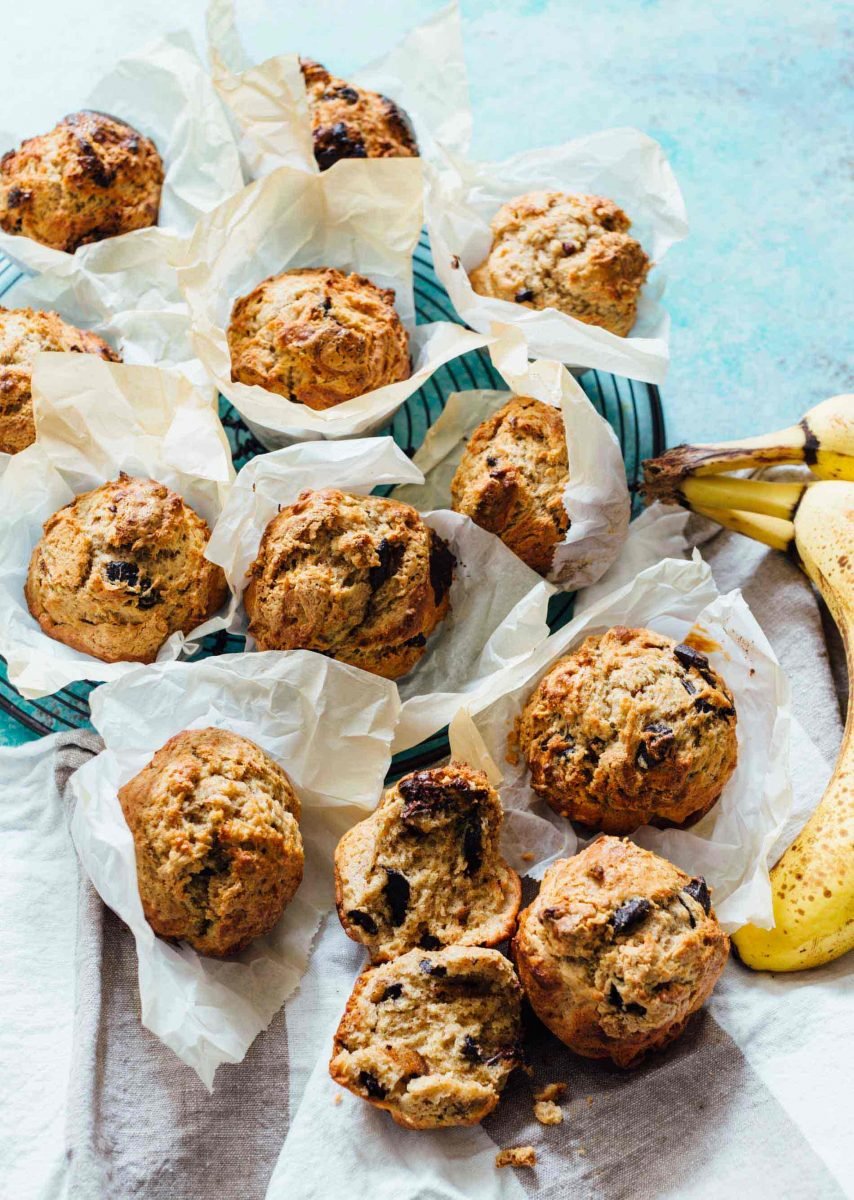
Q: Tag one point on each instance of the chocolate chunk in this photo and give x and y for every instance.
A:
(423, 794)
(442, 564)
(569, 248)
(689, 657)
(363, 920)
(333, 142)
(16, 196)
(327, 304)
(658, 743)
(630, 914)
(704, 706)
(396, 893)
(688, 911)
(688, 686)
(372, 1085)
(390, 555)
(393, 992)
(491, 460)
(418, 640)
(470, 1050)
(428, 942)
(698, 891)
(473, 843)
(149, 599)
(348, 93)
(512, 1053)
(426, 967)
(123, 572)
(524, 295)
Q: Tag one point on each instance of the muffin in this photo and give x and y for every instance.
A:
(573, 253)
(120, 569)
(218, 848)
(425, 869)
(512, 477)
(431, 1037)
(359, 578)
(318, 337)
(630, 729)
(618, 950)
(90, 178)
(23, 334)
(349, 122)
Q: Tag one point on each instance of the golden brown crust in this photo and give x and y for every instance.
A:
(360, 578)
(573, 253)
(24, 332)
(218, 848)
(121, 568)
(630, 729)
(618, 950)
(512, 477)
(350, 122)
(318, 337)
(91, 177)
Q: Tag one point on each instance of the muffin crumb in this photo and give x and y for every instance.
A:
(516, 1156)
(548, 1113)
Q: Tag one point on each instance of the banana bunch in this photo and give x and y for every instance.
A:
(812, 522)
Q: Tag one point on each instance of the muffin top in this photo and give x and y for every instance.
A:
(630, 729)
(218, 847)
(121, 568)
(318, 337)
(91, 177)
(349, 122)
(573, 253)
(360, 578)
(512, 477)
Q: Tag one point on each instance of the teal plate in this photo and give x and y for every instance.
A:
(633, 410)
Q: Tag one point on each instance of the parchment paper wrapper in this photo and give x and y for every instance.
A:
(424, 74)
(622, 164)
(498, 605)
(93, 420)
(596, 498)
(360, 217)
(329, 726)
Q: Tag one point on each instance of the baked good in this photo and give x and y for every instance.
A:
(630, 729)
(318, 337)
(573, 253)
(359, 578)
(24, 332)
(92, 177)
(512, 477)
(425, 869)
(618, 950)
(218, 848)
(350, 122)
(431, 1036)
(121, 568)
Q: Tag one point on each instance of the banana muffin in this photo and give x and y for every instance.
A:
(512, 477)
(431, 1037)
(630, 729)
(121, 568)
(619, 948)
(318, 337)
(24, 332)
(425, 869)
(573, 253)
(349, 122)
(91, 177)
(218, 848)
(359, 578)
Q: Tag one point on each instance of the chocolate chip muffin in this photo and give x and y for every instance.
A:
(425, 869)
(23, 334)
(121, 568)
(573, 253)
(359, 578)
(431, 1036)
(90, 178)
(349, 122)
(218, 848)
(618, 950)
(318, 337)
(512, 477)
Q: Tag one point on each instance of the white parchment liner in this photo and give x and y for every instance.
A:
(93, 420)
(597, 496)
(424, 74)
(498, 605)
(622, 164)
(329, 726)
(359, 217)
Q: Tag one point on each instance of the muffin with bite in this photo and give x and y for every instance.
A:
(351, 122)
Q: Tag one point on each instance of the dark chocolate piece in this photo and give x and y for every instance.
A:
(630, 914)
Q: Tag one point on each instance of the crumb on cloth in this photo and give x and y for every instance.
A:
(551, 1091)
(548, 1113)
(516, 1156)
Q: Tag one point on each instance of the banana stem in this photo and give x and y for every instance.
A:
(771, 531)
(749, 495)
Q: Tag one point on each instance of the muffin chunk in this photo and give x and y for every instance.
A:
(512, 477)
(618, 950)
(630, 729)
(318, 337)
(349, 122)
(121, 568)
(218, 848)
(425, 869)
(431, 1036)
(573, 253)
(91, 177)
(359, 578)
(24, 332)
